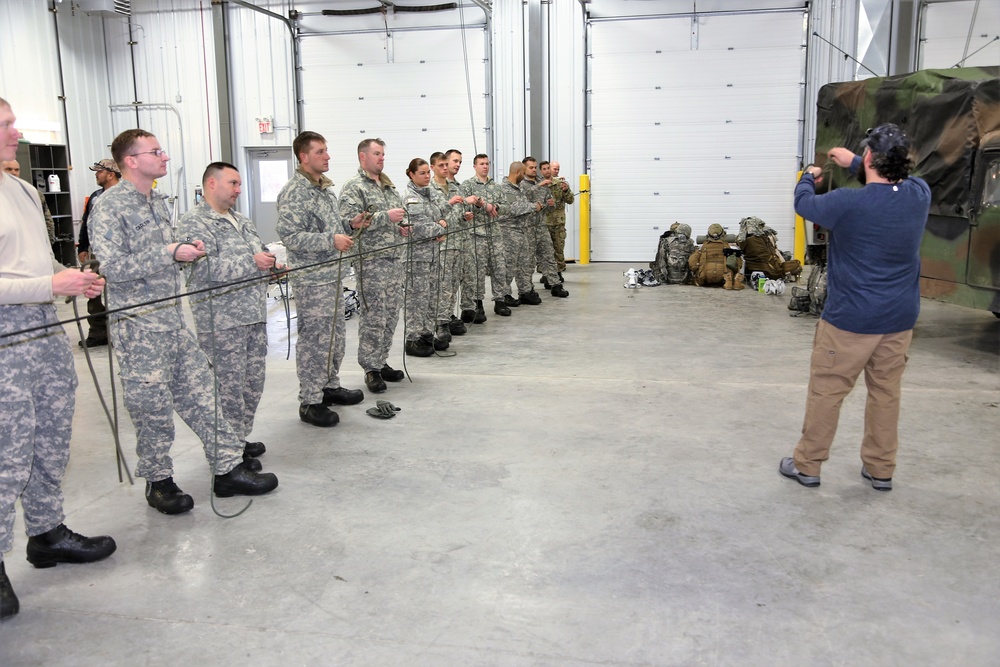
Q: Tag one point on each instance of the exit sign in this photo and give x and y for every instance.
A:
(264, 125)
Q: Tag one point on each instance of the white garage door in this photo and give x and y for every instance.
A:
(950, 31)
(693, 120)
(416, 103)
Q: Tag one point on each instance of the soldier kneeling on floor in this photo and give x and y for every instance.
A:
(717, 261)
(759, 244)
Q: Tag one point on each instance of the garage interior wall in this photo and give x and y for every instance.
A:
(173, 55)
(958, 30)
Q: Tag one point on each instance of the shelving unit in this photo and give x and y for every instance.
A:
(38, 163)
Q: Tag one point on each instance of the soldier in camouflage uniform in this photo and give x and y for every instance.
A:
(231, 321)
(379, 263)
(516, 213)
(313, 231)
(425, 213)
(487, 247)
(465, 286)
(37, 381)
(454, 248)
(539, 239)
(555, 217)
(161, 364)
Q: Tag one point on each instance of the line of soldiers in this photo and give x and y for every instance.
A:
(213, 377)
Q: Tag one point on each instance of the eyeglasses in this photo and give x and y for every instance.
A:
(156, 151)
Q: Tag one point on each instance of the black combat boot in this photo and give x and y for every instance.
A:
(62, 545)
(467, 316)
(500, 308)
(559, 290)
(480, 312)
(318, 414)
(443, 332)
(390, 374)
(531, 298)
(457, 326)
(253, 449)
(342, 396)
(419, 347)
(252, 463)
(9, 605)
(545, 283)
(165, 497)
(245, 482)
(510, 301)
(374, 382)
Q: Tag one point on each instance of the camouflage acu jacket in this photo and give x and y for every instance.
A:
(308, 219)
(382, 237)
(537, 193)
(454, 215)
(229, 258)
(130, 233)
(490, 193)
(516, 211)
(424, 208)
(557, 214)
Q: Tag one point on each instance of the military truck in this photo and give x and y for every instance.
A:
(952, 117)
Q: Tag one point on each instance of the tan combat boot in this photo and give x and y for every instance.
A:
(740, 282)
(727, 278)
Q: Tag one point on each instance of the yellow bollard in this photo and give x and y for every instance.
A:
(799, 250)
(584, 219)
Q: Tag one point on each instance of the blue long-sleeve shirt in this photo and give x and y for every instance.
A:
(873, 257)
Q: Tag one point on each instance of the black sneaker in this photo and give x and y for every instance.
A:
(318, 414)
(9, 606)
(390, 374)
(511, 302)
(62, 545)
(468, 316)
(165, 497)
(342, 396)
(457, 326)
(374, 382)
(500, 308)
(245, 482)
(559, 290)
(418, 348)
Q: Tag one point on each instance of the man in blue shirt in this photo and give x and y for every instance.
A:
(873, 299)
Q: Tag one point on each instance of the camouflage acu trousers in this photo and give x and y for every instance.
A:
(380, 288)
(421, 302)
(237, 356)
(520, 258)
(37, 397)
(447, 279)
(319, 308)
(558, 235)
(164, 371)
(541, 247)
(467, 287)
(489, 259)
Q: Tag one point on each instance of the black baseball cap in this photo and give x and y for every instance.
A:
(885, 138)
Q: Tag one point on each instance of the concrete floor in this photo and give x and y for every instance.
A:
(589, 482)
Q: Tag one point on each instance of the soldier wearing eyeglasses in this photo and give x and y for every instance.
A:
(163, 368)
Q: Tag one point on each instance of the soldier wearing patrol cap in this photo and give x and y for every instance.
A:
(108, 175)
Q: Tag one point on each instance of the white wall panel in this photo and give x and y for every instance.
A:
(417, 103)
(29, 72)
(696, 122)
(174, 67)
(509, 81)
(945, 28)
(81, 38)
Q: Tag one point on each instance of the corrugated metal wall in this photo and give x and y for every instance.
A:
(29, 73)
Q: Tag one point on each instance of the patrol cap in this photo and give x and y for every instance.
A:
(885, 138)
(106, 164)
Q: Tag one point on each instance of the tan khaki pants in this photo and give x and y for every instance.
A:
(838, 358)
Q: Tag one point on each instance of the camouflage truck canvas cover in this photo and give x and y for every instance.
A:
(953, 120)
(944, 112)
